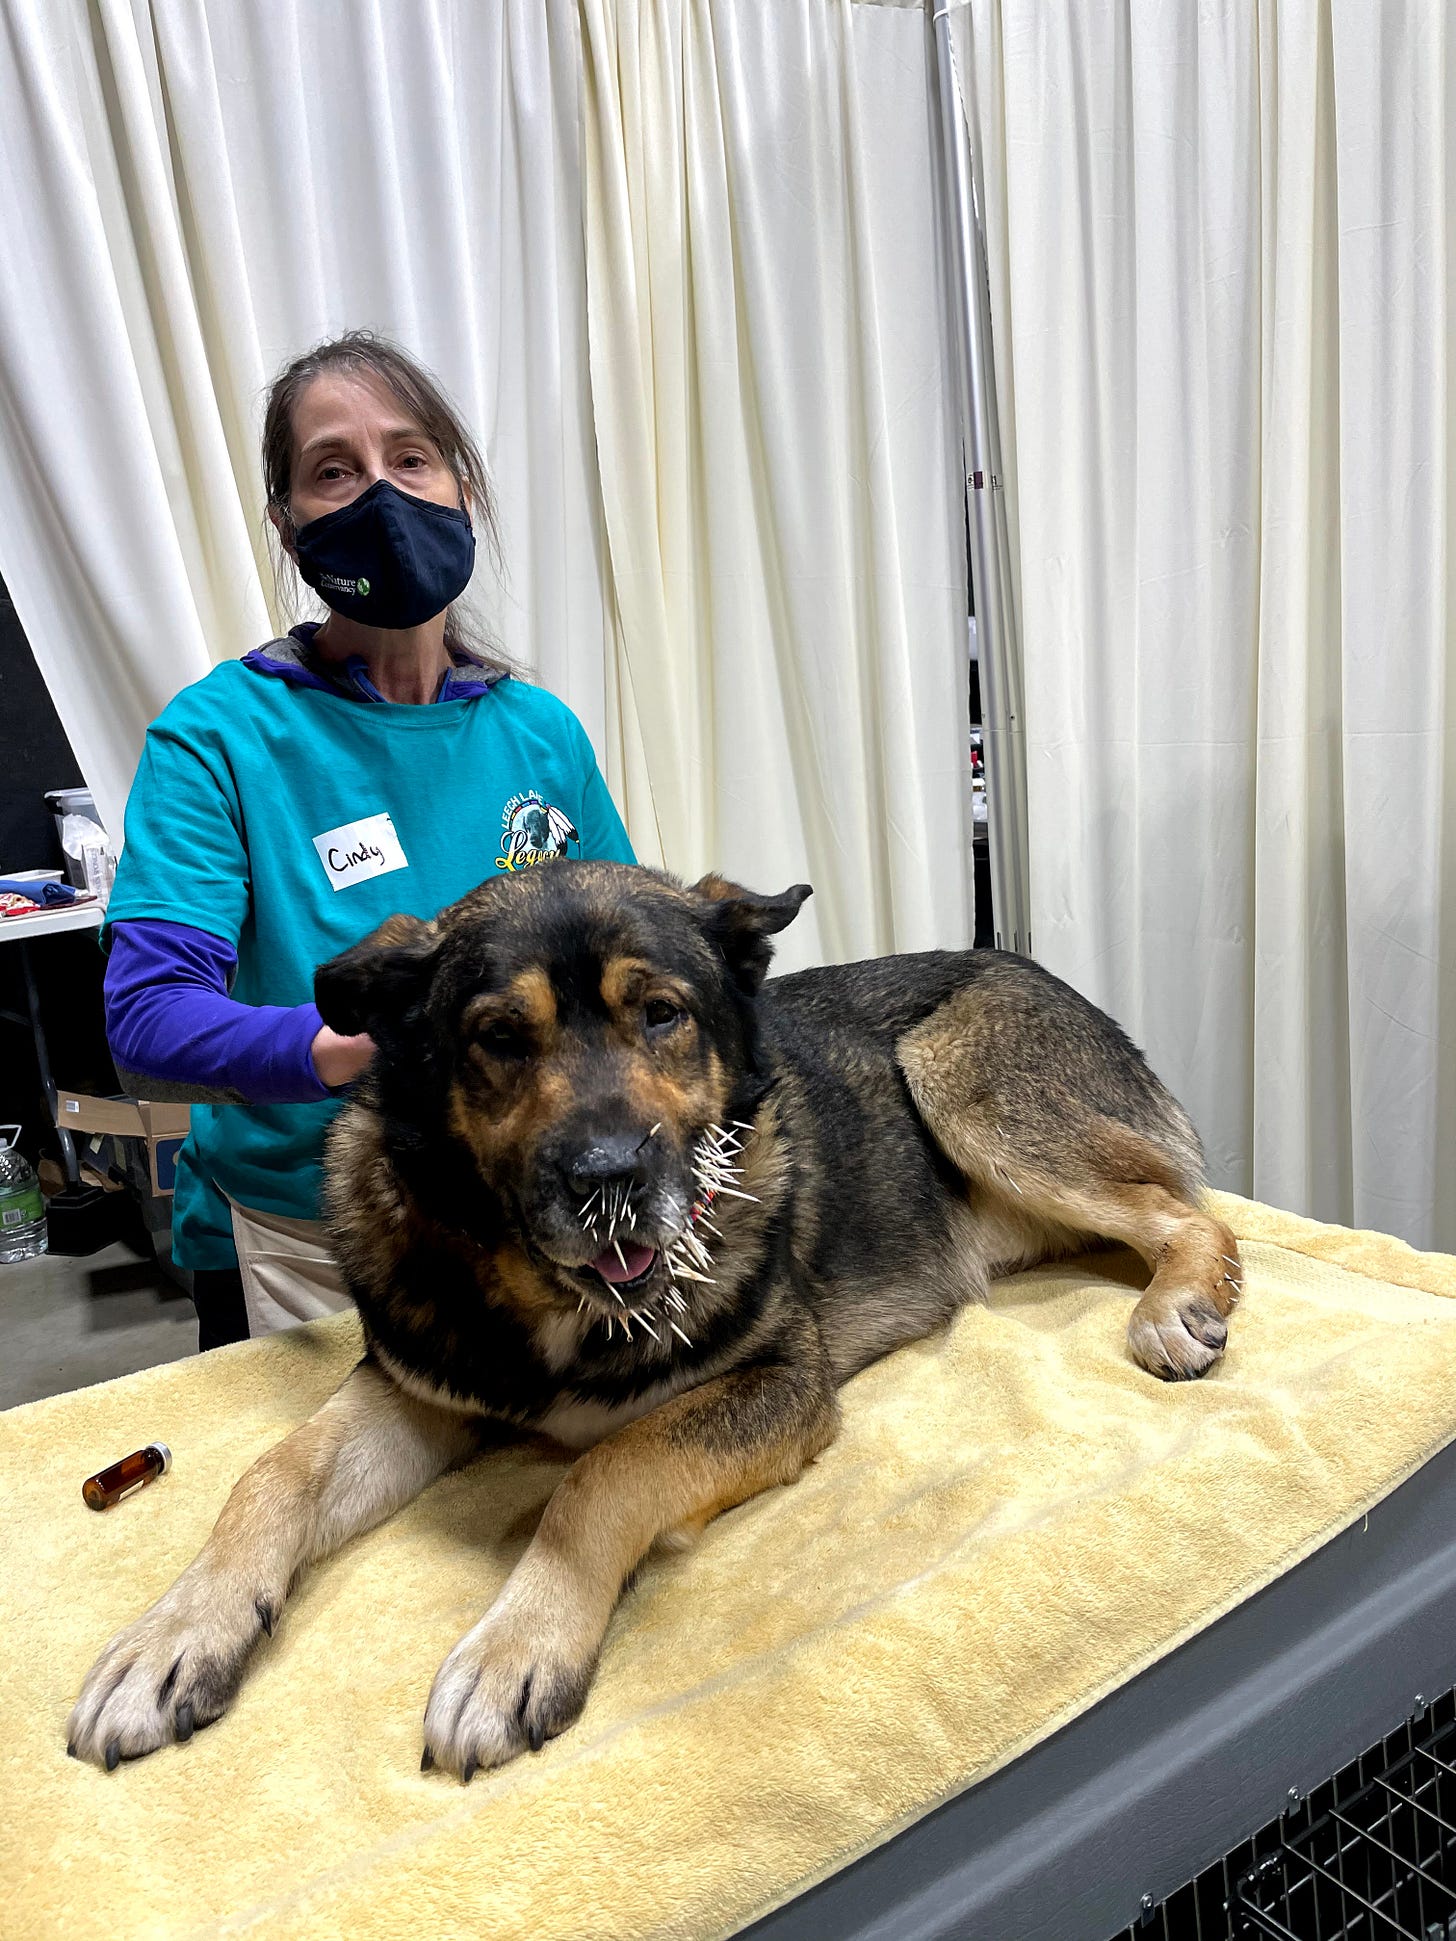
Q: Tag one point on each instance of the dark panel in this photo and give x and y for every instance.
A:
(36, 755)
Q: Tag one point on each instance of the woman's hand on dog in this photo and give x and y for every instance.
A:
(339, 1061)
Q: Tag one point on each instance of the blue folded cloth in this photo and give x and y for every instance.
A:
(45, 890)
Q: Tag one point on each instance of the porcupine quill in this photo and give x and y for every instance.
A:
(715, 1172)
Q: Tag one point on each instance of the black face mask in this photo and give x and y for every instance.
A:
(388, 559)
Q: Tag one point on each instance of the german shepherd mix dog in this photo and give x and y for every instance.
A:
(604, 1183)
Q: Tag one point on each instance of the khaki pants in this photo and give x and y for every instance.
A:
(288, 1271)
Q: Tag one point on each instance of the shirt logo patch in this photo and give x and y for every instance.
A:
(356, 851)
(533, 831)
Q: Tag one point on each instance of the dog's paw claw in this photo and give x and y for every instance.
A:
(174, 1670)
(1177, 1341)
(1204, 1322)
(513, 1682)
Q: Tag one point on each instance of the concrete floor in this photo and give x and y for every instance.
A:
(66, 1323)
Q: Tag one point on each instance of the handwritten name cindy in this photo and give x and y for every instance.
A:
(342, 859)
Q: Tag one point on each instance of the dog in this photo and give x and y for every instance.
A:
(605, 1183)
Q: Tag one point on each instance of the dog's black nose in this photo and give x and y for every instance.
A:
(613, 1161)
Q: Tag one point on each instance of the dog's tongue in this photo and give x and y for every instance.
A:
(637, 1259)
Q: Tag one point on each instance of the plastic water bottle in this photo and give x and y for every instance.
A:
(22, 1210)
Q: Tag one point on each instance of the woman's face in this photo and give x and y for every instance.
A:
(349, 430)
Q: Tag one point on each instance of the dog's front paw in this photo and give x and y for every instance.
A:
(176, 1668)
(1176, 1335)
(515, 1680)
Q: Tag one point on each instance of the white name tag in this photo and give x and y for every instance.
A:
(356, 850)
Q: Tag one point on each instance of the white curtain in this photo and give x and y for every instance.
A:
(779, 474)
(732, 533)
(194, 191)
(1221, 251)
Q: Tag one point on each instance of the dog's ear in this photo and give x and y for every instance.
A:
(378, 980)
(740, 923)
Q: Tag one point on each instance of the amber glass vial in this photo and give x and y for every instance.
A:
(123, 1478)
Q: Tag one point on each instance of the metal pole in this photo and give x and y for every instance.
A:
(1001, 737)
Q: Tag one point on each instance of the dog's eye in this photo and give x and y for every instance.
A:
(660, 1014)
(501, 1039)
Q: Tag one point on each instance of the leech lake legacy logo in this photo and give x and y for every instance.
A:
(533, 832)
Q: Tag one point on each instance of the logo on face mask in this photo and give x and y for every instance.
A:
(533, 832)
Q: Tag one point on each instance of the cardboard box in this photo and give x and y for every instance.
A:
(161, 1128)
(93, 1173)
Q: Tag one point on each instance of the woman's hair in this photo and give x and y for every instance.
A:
(362, 353)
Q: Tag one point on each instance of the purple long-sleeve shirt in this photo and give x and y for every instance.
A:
(169, 1017)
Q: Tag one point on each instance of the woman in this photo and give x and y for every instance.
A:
(289, 802)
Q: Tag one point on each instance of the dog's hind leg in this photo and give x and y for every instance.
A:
(1063, 1132)
(365, 1454)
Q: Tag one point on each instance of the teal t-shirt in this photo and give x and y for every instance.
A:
(290, 822)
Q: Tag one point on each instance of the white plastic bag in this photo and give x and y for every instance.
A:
(89, 861)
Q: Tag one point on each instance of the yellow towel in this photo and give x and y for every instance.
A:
(1013, 1521)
